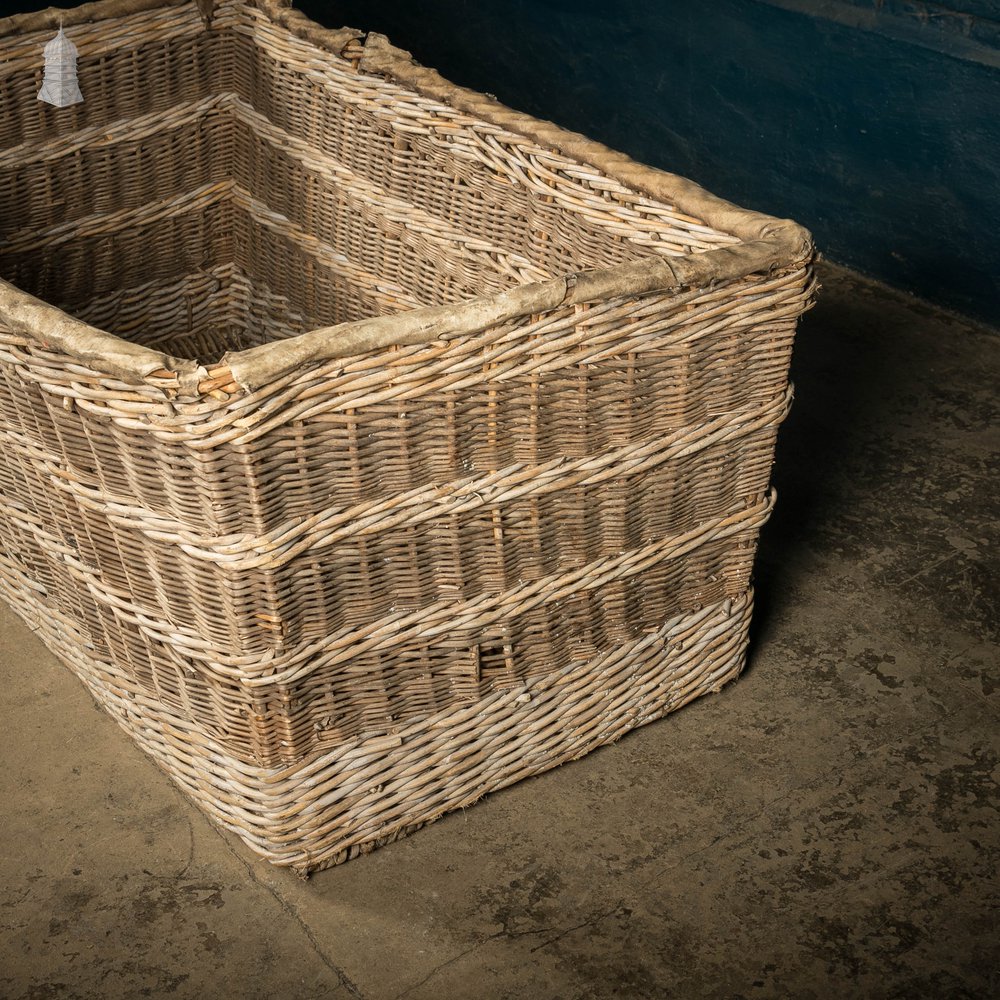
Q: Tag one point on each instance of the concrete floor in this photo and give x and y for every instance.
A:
(826, 825)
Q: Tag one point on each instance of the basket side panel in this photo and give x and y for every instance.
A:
(372, 543)
(497, 186)
(127, 67)
(334, 806)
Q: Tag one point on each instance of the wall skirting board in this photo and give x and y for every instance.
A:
(969, 30)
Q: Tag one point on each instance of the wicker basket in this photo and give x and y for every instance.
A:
(367, 446)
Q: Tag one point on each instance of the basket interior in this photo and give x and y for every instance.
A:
(221, 188)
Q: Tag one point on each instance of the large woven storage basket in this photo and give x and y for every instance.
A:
(367, 446)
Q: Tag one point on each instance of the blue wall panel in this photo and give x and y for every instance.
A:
(876, 124)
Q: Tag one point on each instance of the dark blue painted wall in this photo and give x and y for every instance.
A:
(877, 124)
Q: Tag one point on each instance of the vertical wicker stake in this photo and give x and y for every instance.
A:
(59, 86)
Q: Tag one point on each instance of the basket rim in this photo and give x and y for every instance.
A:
(766, 243)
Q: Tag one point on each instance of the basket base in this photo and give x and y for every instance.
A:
(334, 805)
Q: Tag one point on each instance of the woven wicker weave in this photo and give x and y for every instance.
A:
(495, 508)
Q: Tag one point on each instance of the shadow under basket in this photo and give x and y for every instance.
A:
(367, 446)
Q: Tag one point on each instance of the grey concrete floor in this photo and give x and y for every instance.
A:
(826, 826)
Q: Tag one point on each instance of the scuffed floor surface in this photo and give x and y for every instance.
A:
(827, 826)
